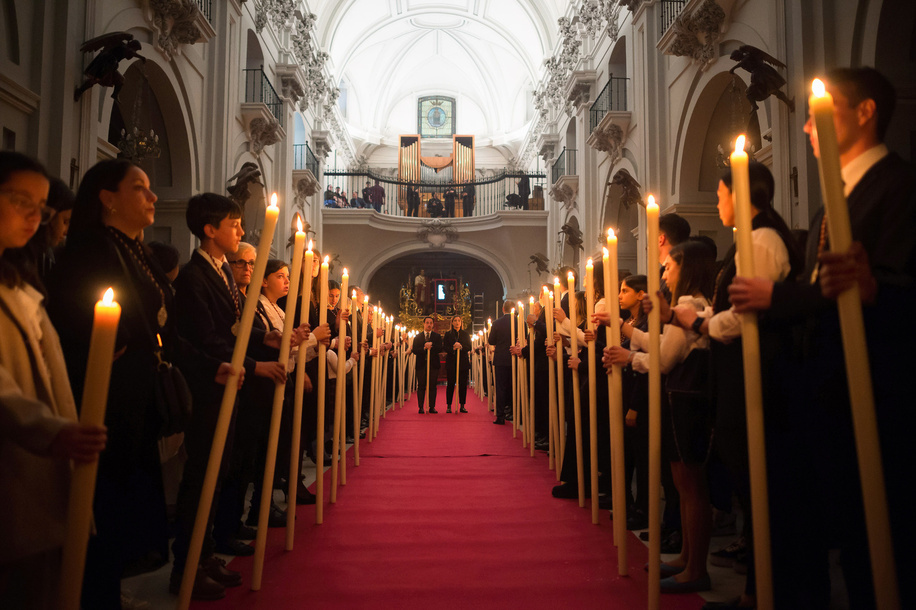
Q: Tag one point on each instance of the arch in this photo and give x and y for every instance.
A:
(254, 56)
(299, 134)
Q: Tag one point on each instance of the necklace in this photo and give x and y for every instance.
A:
(139, 257)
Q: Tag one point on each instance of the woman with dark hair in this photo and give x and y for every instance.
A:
(42, 248)
(113, 206)
(39, 434)
(457, 343)
(776, 258)
(686, 432)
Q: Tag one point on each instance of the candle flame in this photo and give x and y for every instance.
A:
(531, 299)
(818, 88)
(604, 253)
(570, 276)
(588, 263)
(273, 200)
(651, 202)
(556, 280)
(108, 297)
(327, 260)
(310, 246)
(354, 294)
(346, 273)
(513, 311)
(611, 234)
(739, 143)
(366, 299)
(299, 225)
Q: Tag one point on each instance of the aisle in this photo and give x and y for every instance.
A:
(447, 511)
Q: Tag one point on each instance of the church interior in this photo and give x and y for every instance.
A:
(448, 155)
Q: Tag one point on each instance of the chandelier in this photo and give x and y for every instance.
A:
(137, 145)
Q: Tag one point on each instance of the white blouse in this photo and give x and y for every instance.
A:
(676, 343)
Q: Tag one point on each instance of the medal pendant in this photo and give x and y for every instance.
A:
(162, 317)
(235, 329)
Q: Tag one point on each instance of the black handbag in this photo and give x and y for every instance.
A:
(171, 394)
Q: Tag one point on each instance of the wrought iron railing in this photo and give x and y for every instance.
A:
(304, 158)
(259, 90)
(612, 98)
(492, 194)
(669, 11)
(565, 164)
(205, 7)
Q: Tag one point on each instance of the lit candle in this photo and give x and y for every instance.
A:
(858, 373)
(615, 405)
(227, 407)
(512, 330)
(531, 379)
(82, 485)
(750, 347)
(561, 395)
(322, 389)
(362, 369)
(655, 412)
(522, 376)
(273, 435)
(340, 390)
(295, 457)
(577, 400)
(354, 344)
(592, 388)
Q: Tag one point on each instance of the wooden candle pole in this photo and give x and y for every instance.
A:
(273, 435)
(340, 389)
(364, 355)
(514, 375)
(655, 406)
(592, 389)
(322, 389)
(553, 448)
(357, 404)
(577, 400)
(615, 406)
(295, 455)
(227, 407)
(531, 347)
(561, 393)
(522, 377)
(855, 349)
(82, 486)
(373, 395)
(380, 391)
(753, 388)
(389, 321)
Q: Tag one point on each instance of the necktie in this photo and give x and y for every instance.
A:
(233, 289)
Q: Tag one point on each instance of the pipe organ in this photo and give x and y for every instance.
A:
(409, 169)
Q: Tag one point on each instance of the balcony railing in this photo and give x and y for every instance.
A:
(493, 194)
(259, 90)
(565, 164)
(670, 9)
(304, 158)
(612, 98)
(205, 7)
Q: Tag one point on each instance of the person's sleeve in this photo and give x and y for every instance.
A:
(29, 423)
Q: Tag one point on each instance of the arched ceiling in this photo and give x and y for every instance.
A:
(488, 54)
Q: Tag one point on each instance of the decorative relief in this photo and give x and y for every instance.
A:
(564, 194)
(174, 23)
(632, 5)
(263, 132)
(437, 232)
(610, 140)
(697, 35)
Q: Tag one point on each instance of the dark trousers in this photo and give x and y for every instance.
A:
(503, 377)
(198, 442)
(421, 385)
(468, 206)
(413, 208)
(462, 386)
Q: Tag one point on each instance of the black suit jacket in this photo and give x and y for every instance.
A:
(206, 312)
(448, 342)
(417, 348)
(501, 339)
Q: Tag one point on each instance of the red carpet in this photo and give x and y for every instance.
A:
(447, 511)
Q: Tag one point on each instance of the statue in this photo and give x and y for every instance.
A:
(630, 194)
(247, 175)
(540, 262)
(765, 80)
(103, 70)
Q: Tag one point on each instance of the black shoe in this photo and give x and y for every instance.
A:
(448, 409)
(637, 520)
(500, 421)
(421, 410)
(275, 518)
(215, 568)
(606, 502)
(462, 409)
(246, 533)
(234, 547)
(433, 411)
(509, 417)
(303, 496)
(725, 558)
(205, 588)
(567, 491)
(734, 604)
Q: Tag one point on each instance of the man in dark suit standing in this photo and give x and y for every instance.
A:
(427, 344)
(501, 340)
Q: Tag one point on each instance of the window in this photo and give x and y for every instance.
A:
(436, 117)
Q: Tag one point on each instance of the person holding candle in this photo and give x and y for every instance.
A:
(39, 431)
(427, 345)
(457, 343)
(500, 341)
(686, 432)
(880, 189)
(209, 311)
(776, 258)
(537, 328)
(113, 206)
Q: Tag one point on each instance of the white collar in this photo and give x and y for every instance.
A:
(216, 262)
(853, 171)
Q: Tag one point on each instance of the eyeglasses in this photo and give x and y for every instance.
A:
(26, 207)
(243, 263)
